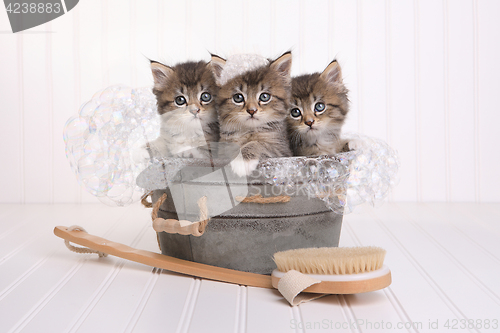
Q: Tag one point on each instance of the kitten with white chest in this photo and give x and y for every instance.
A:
(185, 96)
(319, 108)
(252, 109)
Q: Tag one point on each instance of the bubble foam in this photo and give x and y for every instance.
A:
(100, 139)
(364, 174)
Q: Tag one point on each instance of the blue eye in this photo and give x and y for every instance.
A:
(205, 97)
(295, 113)
(180, 100)
(264, 97)
(238, 98)
(319, 107)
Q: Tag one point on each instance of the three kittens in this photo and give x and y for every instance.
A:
(262, 109)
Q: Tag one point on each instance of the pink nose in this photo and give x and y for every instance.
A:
(252, 111)
(194, 111)
(309, 122)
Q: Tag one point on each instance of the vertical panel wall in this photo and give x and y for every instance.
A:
(422, 74)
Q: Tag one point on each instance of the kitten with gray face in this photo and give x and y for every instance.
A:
(185, 96)
(252, 109)
(318, 109)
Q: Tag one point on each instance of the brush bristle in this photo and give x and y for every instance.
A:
(331, 260)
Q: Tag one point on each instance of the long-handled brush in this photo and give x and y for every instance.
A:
(341, 270)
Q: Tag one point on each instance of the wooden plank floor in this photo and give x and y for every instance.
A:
(445, 261)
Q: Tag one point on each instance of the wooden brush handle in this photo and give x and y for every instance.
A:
(164, 262)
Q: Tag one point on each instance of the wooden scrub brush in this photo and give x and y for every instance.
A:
(341, 270)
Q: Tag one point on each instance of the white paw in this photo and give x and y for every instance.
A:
(185, 153)
(243, 168)
(140, 155)
(198, 153)
(356, 144)
(191, 153)
(238, 167)
(251, 165)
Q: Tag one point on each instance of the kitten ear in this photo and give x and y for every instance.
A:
(217, 64)
(332, 73)
(283, 64)
(161, 73)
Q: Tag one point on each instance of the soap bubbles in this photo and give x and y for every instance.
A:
(373, 170)
(238, 64)
(322, 177)
(100, 139)
(366, 173)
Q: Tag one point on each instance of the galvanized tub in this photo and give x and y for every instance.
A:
(242, 236)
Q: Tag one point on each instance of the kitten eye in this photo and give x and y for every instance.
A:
(238, 98)
(264, 97)
(206, 97)
(295, 113)
(180, 100)
(319, 107)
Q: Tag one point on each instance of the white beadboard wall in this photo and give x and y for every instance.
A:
(423, 75)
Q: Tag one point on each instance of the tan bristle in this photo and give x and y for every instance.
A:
(331, 260)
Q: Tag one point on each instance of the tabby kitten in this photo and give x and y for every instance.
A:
(185, 96)
(252, 109)
(318, 110)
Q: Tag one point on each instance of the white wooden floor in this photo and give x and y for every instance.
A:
(445, 261)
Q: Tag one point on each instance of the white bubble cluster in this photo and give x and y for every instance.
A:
(240, 63)
(321, 177)
(364, 174)
(373, 170)
(100, 139)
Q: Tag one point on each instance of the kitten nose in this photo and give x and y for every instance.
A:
(194, 110)
(252, 111)
(309, 122)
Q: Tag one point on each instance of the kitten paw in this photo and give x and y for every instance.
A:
(199, 153)
(356, 144)
(243, 168)
(251, 165)
(140, 155)
(185, 153)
